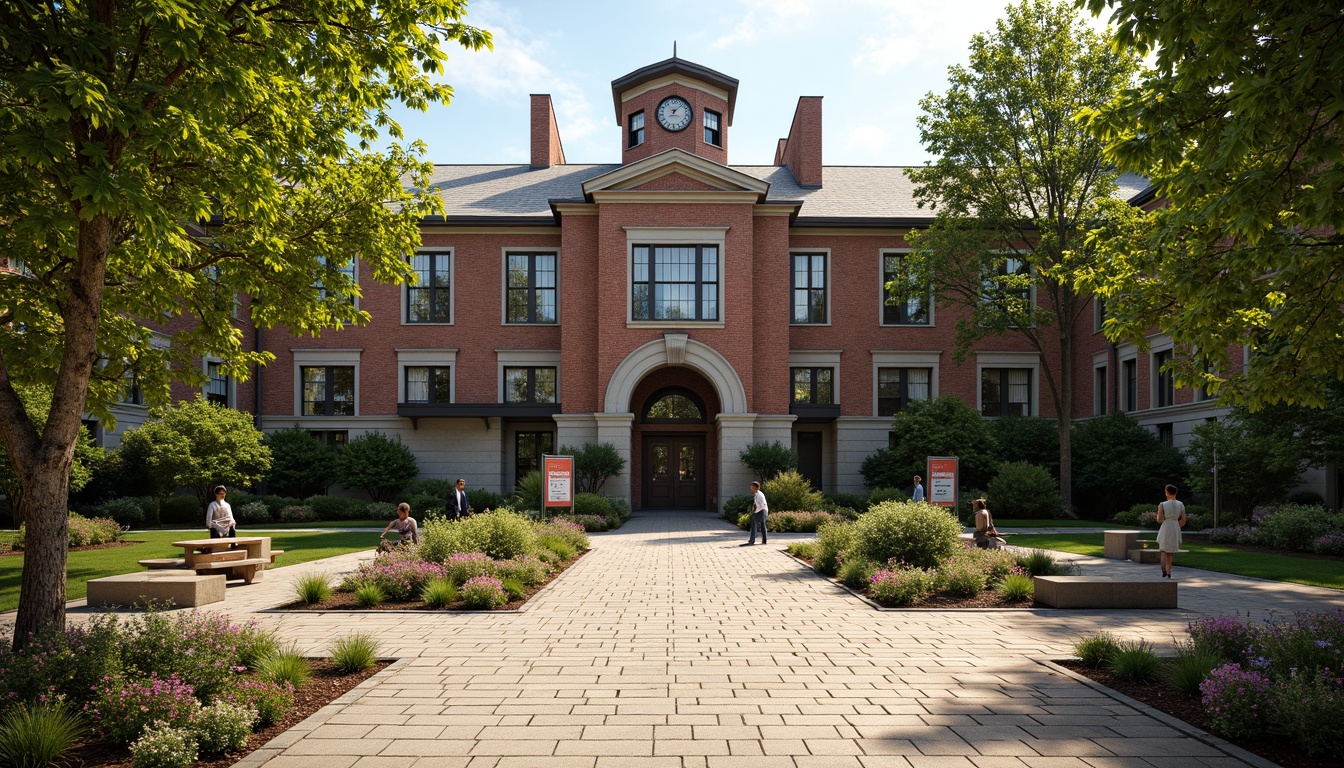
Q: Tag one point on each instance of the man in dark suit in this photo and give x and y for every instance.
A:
(457, 500)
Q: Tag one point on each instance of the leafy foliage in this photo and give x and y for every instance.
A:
(766, 460)
(594, 464)
(35, 735)
(36, 402)
(1023, 490)
(1256, 461)
(1016, 185)
(1234, 126)
(1028, 439)
(178, 164)
(301, 465)
(916, 533)
(379, 464)
(1117, 463)
(790, 491)
(942, 427)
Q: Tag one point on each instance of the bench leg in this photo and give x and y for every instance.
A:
(249, 573)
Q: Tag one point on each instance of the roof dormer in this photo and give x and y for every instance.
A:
(674, 104)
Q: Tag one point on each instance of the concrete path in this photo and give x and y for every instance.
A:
(670, 646)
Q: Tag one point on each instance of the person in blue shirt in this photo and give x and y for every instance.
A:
(919, 489)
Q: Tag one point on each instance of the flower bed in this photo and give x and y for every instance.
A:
(1275, 688)
(490, 561)
(160, 690)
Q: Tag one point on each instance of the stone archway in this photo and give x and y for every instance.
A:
(675, 349)
(674, 456)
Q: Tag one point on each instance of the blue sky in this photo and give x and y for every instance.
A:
(872, 60)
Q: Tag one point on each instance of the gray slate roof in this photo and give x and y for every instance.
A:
(847, 192)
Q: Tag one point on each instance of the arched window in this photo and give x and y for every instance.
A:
(675, 406)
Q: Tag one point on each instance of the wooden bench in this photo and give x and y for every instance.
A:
(275, 553)
(1104, 592)
(181, 589)
(247, 569)
(158, 563)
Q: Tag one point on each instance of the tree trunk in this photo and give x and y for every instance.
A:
(46, 542)
(1066, 419)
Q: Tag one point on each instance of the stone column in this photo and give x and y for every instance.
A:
(616, 428)
(736, 432)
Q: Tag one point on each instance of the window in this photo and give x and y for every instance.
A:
(1005, 392)
(1098, 313)
(131, 393)
(903, 301)
(430, 299)
(1099, 402)
(898, 387)
(328, 390)
(529, 385)
(225, 300)
(1130, 368)
(809, 288)
(531, 288)
(712, 133)
(338, 274)
(1165, 434)
(1009, 289)
(675, 406)
(529, 448)
(813, 386)
(675, 282)
(1163, 381)
(429, 384)
(332, 438)
(217, 384)
(635, 130)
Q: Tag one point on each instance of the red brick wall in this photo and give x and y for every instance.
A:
(546, 148)
(802, 150)
(692, 138)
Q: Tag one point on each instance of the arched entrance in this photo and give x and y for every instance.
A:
(675, 446)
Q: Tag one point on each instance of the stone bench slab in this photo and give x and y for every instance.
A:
(183, 590)
(1104, 592)
(1116, 544)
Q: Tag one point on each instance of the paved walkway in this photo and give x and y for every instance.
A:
(669, 646)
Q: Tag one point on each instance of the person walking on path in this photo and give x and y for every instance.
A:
(458, 505)
(758, 512)
(219, 516)
(1170, 519)
(918, 494)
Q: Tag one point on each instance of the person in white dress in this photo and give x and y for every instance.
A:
(1170, 519)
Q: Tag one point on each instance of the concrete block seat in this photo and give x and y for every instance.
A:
(1147, 551)
(1104, 592)
(157, 563)
(1116, 544)
(182, 589)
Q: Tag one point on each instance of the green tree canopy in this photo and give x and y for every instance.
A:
(766, 460)
(301, 465)
(1237, 125)
(198, 445)
(378, 464)
(594, 464)
(1016, 186)
(942, 427)
(1258, 460)
(163, 159)
(1118, 463)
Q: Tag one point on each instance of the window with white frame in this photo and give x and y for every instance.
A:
(813, 386)
(635, 130)
(713, 134)
(218, 385)
(532, 384)
(531, 288)
(1005, 392)
(808, 280)
(904, 302)
(328, 390)
(1100, 390)
(898, 387)
(1129, 372)
(430, 299)
(1164, 381)
(676, 275)
(1009, 288)
(429, 384)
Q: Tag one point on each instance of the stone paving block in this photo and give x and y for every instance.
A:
(604, 747)
(376, 761)
(337, 747)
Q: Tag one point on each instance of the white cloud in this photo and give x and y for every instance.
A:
(867, 138)
(768, 19)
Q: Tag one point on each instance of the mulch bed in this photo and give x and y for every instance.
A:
(7, 550)
(1161, 696)
(345, 601)
(326, 686)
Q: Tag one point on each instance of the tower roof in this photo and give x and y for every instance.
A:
(674, 66)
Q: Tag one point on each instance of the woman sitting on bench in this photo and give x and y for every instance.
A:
(404, 526)
(985, 537)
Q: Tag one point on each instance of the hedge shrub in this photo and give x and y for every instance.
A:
(916, 533)
(1022, 490)
(790, 491)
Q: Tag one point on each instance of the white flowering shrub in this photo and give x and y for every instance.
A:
(164, 746)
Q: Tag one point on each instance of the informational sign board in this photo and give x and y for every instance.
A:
(559, 481)
(942, 481)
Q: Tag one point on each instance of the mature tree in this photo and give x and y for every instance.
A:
(198, 445)
(301, 465)
(378, 464)
(88, 456)
(1016, 187)
(163, 158)
(1258, 460)
(1118, 463)
(942, 427)
(1238, 126)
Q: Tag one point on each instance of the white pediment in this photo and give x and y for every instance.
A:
(719, 178)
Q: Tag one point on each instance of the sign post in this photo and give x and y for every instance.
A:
(559, 487)
(943, 481)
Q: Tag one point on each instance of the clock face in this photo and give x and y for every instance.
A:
(674, 113)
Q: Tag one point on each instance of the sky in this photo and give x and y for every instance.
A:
(871, 60)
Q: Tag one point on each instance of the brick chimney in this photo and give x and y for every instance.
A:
(801, 151)
(546, 147)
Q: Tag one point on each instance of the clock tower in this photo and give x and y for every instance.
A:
(674, 104)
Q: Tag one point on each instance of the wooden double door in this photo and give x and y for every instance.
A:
(674, 471)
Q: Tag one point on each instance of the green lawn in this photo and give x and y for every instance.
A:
(1002, 523)
(1210, 557)
(315, 524)
(96, 563)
